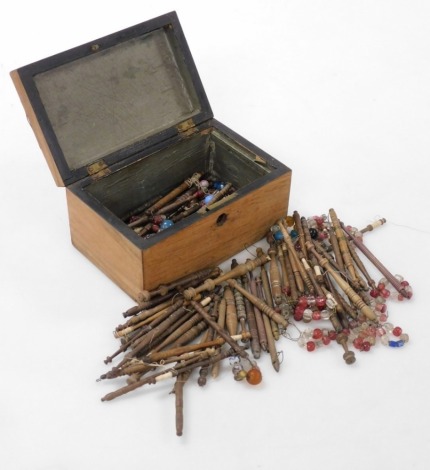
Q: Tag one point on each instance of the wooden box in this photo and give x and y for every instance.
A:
(125, 118)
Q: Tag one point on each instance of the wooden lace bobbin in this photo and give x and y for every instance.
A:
(298, 279)
(344, 249)
(176, 204)
(178, 390)
(222, 312)
(194, 207)
(125, 345)
(172, 372)
(382, 269)
(299, 228)
(139, 210)
(267, 296)
(252, 323)
(183, 281)
(295, 257)
(336, 250)
(240, 303)
(208, 336)
(373, 225)
(275, 276)
(271, 347)
(370, 282)
(231, 314)
(353, 296)
(339, 316)
(257, 313)
(290, 274)
(312, 277)
(146, 316)
(262, 306)
(206, 317)
(348, 356)
(174, 193)
(147, 305)
(238, 271)
(285, 282)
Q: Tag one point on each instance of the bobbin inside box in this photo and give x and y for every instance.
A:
(210, 152)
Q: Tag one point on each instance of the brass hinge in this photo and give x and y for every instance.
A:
(98, 170)
(187, 128)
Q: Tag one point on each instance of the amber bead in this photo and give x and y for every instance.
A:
(254, 376)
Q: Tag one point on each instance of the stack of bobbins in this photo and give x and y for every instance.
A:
(311, 272)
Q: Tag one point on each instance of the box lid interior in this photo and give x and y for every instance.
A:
(110, 98)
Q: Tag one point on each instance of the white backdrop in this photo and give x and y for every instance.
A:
(339, 91)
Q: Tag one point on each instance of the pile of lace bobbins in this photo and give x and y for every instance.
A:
(311, 272)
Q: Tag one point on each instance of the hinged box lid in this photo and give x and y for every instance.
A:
(104, 101)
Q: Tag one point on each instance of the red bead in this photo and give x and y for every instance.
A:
(385, 293)
(381, 286)
(358, 343)
(298, 315)
(326, 340)
(397, 331)
(374, 293)
(320, 302)
(158, 219)
(366, 346)
(332, 335)
(317, 333)
(404, 283)
(155, 228)
(302, 302)
(310, 346)
(316, 315)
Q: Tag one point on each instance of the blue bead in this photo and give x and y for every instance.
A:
(294, 234)
(208, 198)
(278, 235)
(218, 185)
(396, 344)
(166, 224)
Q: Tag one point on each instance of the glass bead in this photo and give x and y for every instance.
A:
(366, 346)
(218, 185)
(310, 346)
(316, 315)
(385, 293)
(166, 224)
(383, 317)
(294, 233)
(384, 340)
(396, 344)
(326, 340)
(380, 331)
(332, 335)
(382, 281)
(307, 315)
(158, 219)
(318, 219)
(317, 334)
(311, 300)
(322, 236)
(320, 301)
(208, 199)
(389, 327)
(298, 314)
(400, 297)
(302, 301)
(313, 232)
(204, 184)
(302, 341)
(404, 337)
(399, 277)
(325, 314)
(289, 221)
(308, 332)
(374, 293)
(397, 331)
(254, 376)
(278, 236)
(358, 343)
(404, 283)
